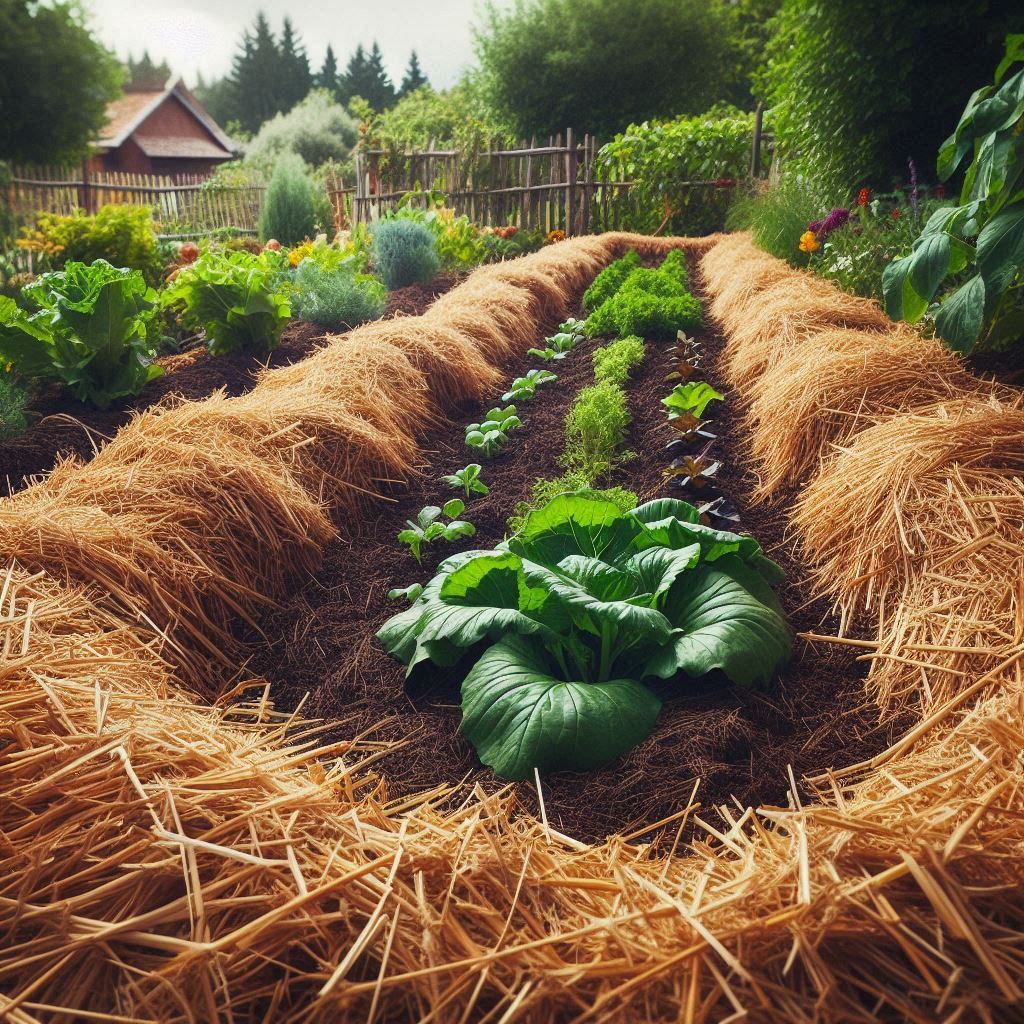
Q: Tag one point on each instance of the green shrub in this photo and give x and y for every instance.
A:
(645, 310)
(238, 299)
(91, 332)
(612, 364)
(318, 129)
(610, 280)
(404, 252)
(337, 297)
(123, 236)
(12, 409)
(295, 207)
(595, 428)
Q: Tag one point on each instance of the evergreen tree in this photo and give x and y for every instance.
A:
(328, 78)
(356, 81)
(294, 77)
(255, 76)
(414, 78)
(382, 91)
(144, 74)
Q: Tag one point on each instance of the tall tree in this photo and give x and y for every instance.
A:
(255, 78)
(545, 63)
(294, 77)
(144, 74)
(327, 76)
(414, 78)
(356, 80)
(382, 91)
(56, 82)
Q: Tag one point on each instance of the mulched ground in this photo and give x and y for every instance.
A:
(62, 427)
(321, 642)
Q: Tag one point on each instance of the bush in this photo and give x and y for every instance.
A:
(658, 155)
(404, 252)
(318, 130)
(295, 207)
(124, 236)
(337, 297)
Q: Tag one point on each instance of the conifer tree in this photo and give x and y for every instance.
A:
(328, 78)
(255, 77)
(293, 77)
(414, 78)
(382, 92)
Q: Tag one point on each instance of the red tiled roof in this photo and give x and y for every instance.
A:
(174, 146)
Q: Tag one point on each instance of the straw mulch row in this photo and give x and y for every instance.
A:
(169, 862)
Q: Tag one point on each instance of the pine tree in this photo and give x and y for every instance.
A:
(356, 79)
(327, 78)
(255, 77)
(294, 77)
(414, 78)
(144, 74)
(382, 93)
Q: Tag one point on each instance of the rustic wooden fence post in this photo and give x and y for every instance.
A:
(755, 155)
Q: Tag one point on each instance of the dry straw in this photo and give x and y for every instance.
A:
(169, 862)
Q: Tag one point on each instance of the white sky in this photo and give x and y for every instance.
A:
(194, 35)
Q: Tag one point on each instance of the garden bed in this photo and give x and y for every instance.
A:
(62, 427)
(738, 741)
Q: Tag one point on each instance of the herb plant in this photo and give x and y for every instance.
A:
(526, 387)
(491, 435)
(429, 526)
(240, 300)
(468, 478)
(562, 623)
(91, 332)
(610, 280)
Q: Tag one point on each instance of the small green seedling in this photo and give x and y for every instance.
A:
(411, 593)
(559, 345)
(491, 435)
(428, 527)
(526, 387)
(468, 478)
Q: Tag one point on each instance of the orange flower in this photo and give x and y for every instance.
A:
(558, 235)
(809, 242)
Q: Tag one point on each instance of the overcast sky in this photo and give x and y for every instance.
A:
(202, 35)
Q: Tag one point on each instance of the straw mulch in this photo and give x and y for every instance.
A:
(169, 862)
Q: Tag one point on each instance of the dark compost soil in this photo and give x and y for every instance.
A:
(321, 641)
(63, 427)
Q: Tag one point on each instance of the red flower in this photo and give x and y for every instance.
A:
(939, 192)
(895, 214)
(724, 182)
(864, 197)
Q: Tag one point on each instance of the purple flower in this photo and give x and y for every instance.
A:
(913, 185)
(815, 226)
(836, 219)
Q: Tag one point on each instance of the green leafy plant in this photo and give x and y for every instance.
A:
(524, 388)
(649, 303)
(559, 345)
(691, 399)
(91, 332)
(338, 295)
(491, 435)
(983, 235)
(428, 526)
(410, 593)
(238, 299)
(595, 429)
(12, 404)
(468, 478)
(404, 252)
(614, 362)
(610, 280)
(564, 621)
(295, 206)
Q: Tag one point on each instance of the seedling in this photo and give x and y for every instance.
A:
(428, 527)
(468, 478)
(690, 399)
(526, 387)
(718, 511)
(559, 345)
(491, 435)
(687, 359)
(411, 593)
(695, 471)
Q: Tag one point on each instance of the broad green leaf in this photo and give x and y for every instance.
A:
(894, 278)
(410, 593)
(657, 569)
(454, 507)
(959, 318)
(519, 716)
(1001, 249)
(693, 397)
(929, 266)
(666, 508)
(725, 617)
(458, 528)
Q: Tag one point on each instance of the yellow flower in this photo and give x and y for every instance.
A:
(809, 242)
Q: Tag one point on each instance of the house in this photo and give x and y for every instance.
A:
(160, 131)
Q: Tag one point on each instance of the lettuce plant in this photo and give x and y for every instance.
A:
(526, 387)
(240, 300)
(491, 435)
(91, 332)
(468, 478)
(563, 622)
(428, 526)
(560, 344)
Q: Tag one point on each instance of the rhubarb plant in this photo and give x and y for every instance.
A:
(562, 624)
(429, 526)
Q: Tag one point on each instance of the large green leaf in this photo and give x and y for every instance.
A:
(894, 278)
(575, 523)
(725, 617)
(959, 319)
(519, 716)
(929, 264)
(666, 508)
(1001, 249)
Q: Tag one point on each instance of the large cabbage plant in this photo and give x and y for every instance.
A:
(564, 621)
